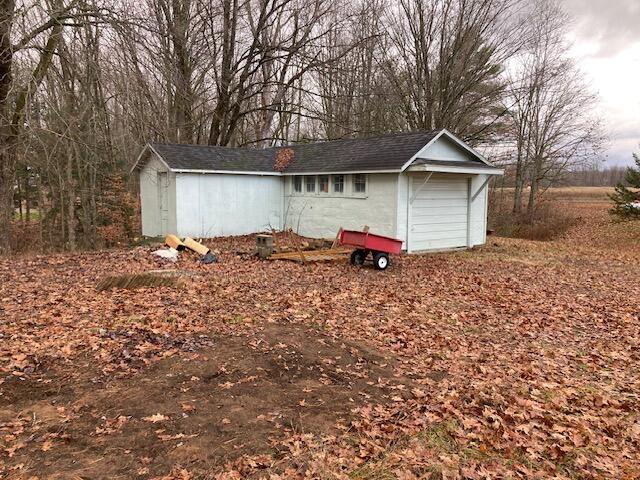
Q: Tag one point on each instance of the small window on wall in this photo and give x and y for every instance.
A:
(360, 183)
(338, 183)
(323, 183)
(297, 184)
(310, 182)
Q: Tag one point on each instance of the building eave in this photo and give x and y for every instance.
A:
(481, 170)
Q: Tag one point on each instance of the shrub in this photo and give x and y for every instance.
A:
(550, 221)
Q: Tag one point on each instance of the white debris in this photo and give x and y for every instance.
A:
(170, 254)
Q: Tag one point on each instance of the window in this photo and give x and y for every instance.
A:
(338, 183)
(310, 182)
(297, 184)
(323, 183)
(359, 183)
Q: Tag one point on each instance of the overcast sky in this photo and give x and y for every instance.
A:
(606, 36)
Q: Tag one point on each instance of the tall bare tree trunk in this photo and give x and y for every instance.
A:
(71, 204)
(7, 161)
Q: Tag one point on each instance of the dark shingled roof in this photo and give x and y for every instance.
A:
(202, 157)
(388, 152)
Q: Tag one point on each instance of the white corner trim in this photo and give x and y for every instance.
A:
(465, 146)
(413, 158)
(449, 169)
(148, 148)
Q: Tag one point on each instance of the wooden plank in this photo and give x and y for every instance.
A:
(174, 242)
(312, 255)
(197, 247)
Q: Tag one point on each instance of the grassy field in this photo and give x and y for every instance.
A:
(569, 194)
(515, 360)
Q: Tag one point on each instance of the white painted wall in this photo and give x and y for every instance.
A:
(479, 210)
(150, 198)
(320, 215)
(403, 212)
(212, 205)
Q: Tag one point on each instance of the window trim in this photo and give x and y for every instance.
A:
(333, 183)
(320, 192)
(353, 184)
(306, 185)
(348, 186)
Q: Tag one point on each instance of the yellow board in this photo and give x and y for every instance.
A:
(174, 242)
(191, 244)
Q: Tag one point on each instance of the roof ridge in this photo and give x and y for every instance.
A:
(298, 144)
(173, 144)
(372, 137)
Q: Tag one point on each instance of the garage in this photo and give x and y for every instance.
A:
(446, 203)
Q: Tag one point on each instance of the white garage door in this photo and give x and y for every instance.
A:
(438, 211)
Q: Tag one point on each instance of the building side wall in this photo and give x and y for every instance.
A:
(320, 215)
(479, 210)
(213, 205)
(150, 198)
(402, 211)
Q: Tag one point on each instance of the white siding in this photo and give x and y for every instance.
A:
(403, 212)
(211, 205)
(479, 210)
(150, 194)
(444, 149)
(320, 215)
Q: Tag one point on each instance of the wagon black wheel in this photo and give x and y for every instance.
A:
(381, 261)
(358, 257)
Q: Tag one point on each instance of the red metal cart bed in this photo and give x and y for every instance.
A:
(366, 242)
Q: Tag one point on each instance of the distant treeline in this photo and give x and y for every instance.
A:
(594, 177)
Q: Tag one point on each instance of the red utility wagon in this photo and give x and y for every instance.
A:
(366, 242)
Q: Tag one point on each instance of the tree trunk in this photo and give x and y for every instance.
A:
(6, 158)
(6, 203)
(535, 184)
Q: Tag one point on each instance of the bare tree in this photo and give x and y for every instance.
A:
(550, 108)
(449, 56)
(38, 30)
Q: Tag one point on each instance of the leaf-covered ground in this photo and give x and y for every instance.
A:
(519, 359)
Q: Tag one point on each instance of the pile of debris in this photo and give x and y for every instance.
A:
(176, 246)
(311, 250)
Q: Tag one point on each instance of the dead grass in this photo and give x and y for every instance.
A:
(558, 210)
(551, 220)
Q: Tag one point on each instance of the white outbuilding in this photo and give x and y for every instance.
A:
(428, 189)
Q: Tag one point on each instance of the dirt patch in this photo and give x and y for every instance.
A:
(197, 410)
